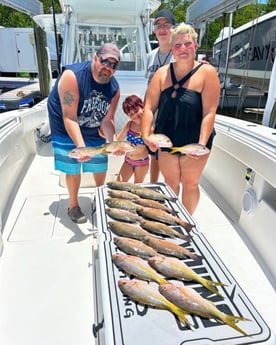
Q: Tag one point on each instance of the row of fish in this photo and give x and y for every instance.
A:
(125, 146)
(139, 190)
(150, 246)
(115, 146)
(140, 216)
(180, 300)
(169, 267)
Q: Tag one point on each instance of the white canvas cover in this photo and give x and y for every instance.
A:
(202, 11)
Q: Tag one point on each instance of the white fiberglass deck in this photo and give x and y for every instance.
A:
(46, 283)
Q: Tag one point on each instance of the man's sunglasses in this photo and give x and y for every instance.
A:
(106, 62)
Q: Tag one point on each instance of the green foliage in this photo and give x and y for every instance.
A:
(271, 5)
(178, 7)
(241, 16)
(12, 18)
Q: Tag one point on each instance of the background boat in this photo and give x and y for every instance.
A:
(246, 54)
(244, 58)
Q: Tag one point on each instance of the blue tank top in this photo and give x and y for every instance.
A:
(94, 101)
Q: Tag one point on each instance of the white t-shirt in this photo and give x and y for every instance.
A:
(156, 60)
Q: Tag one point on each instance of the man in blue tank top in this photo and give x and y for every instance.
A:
(81, 108)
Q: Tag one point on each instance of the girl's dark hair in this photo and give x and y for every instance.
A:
(132, 102)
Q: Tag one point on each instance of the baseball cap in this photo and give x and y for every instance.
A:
(109, 50)
(164, 13)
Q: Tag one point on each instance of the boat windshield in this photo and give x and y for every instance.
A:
(90, 38)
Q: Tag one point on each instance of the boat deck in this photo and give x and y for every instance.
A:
(46, 282)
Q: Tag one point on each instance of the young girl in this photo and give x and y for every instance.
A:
(137, 161)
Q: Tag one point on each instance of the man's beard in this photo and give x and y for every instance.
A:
(104, 76)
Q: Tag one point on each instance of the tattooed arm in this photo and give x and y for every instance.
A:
(69, 99)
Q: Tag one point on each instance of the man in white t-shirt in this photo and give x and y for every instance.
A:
(159, 57)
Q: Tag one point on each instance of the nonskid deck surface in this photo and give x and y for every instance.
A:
(46, 282)
(46, 285)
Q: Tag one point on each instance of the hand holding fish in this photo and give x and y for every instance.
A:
(83, 154)
(156, 141)
(192, 150)
(150, 144)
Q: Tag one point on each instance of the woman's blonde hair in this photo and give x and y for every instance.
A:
(183, 28)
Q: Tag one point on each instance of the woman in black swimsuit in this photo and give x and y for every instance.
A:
(186, 94)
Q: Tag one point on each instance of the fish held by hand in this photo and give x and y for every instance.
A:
(161, 140)
(113, 147)
(80, 152)
(118, 146)
(191, 149)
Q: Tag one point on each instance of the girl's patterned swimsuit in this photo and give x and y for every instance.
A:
(135, 139)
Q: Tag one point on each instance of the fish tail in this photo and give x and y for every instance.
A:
(182, 315)
(186, 238)
(173, 212)
(161, 280)
(103, 149)
(173, 199)
(174, 150)
(231, 321)
(194, 256)
(211, 285)
(187, 226)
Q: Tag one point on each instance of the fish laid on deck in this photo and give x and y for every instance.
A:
(154, 204)
(107, 148)
(162, 216)
(123, 215)
(123, 194)
(134, 247)
(192, 149)
(158, 228)
(188, 299)
(167, 247)
(135, 266)
(119, 185)
(146, 294)
(139, 190)
(128, 230)
(123, 204)
(175, 268)
(148, 193)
